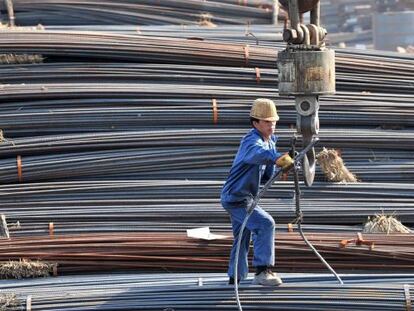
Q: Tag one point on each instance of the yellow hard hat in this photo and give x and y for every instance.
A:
(264, 109)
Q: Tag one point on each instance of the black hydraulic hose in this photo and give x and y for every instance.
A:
(250, 210)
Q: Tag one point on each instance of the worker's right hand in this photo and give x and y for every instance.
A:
(285, 162)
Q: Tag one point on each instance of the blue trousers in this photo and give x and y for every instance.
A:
(261, 227)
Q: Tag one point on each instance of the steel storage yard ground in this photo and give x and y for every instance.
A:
(119, 134)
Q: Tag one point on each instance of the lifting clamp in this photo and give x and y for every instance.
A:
(306, 70)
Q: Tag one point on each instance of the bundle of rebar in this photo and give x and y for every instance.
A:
(202, 291)
(375, 145)
(89, 225)
(132, 205)
(116, 111)
(268, 35)
(263, 79)
(176, 252)
(92, 46)
(200, 154)
(141, 12)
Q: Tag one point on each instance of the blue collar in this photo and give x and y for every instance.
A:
(256, 131)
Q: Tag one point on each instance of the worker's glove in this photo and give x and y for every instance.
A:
(285, 162)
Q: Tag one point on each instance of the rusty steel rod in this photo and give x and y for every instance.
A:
(176, 252)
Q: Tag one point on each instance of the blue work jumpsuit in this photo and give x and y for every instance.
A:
(254, 164)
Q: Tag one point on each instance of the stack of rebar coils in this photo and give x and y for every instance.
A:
(178, 112)
(210, 292)
(122, 138)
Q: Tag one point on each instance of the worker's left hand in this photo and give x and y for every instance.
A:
(285, 162)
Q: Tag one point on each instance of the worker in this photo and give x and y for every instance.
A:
(254, 164)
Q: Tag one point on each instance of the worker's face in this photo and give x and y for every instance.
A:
(266, 128)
